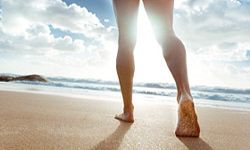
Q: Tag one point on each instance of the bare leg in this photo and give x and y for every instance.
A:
(126, 15)
(160, 13)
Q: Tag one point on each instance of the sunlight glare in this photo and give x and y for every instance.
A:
(149, 63)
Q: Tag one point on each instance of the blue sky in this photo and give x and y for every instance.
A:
(79, 39)
(102, 8)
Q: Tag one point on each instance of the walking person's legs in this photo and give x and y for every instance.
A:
(126, 15)
(160, 13)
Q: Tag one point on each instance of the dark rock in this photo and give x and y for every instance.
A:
(6, 78)
(32, 77)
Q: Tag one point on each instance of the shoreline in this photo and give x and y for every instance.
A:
(42, 121)
(116, 96)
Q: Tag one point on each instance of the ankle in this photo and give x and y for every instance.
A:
(128, 109)
(184, 96)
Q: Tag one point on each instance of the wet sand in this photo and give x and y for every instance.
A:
(44, 121)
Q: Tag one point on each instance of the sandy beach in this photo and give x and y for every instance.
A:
(30, 120)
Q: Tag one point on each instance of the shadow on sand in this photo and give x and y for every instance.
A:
(195, 143)
(115, 139)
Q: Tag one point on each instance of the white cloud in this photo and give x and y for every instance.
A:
(26, 37)
(30, 19)
(106, 20)
(217, 28)
(216, 35)
(212, 22)
(72, 18)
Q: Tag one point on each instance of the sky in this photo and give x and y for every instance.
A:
(78, 39)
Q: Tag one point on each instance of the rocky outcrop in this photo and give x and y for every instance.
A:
(32, 77)
(6, 78)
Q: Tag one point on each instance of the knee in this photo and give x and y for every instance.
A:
(126, 42)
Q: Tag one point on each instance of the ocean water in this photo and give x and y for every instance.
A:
(206, 96)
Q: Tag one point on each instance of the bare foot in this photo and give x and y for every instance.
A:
(187, 125)
(126, 117)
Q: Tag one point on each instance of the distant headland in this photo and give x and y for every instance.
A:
(32, 77)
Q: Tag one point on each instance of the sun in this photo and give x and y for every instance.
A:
(149, 63)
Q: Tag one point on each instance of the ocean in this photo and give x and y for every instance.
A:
(204, 96)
